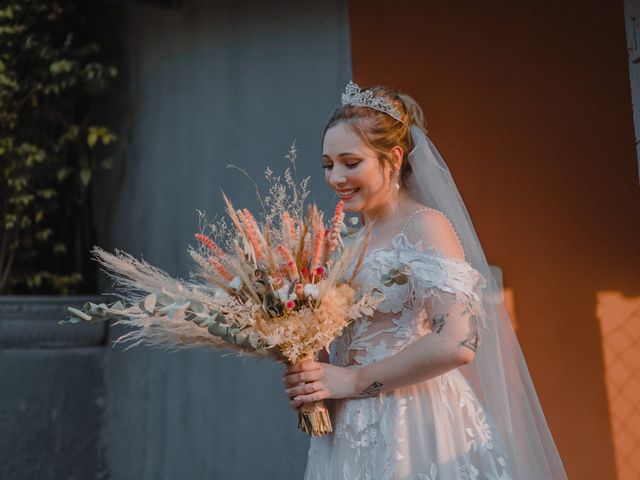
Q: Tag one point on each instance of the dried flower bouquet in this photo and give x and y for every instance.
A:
(282, 287)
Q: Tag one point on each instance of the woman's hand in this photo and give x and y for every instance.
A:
(310, 381)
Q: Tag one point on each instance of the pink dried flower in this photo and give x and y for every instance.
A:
(290, 304)
(338, 218)
(211, 245)
(290, 264)
(251, 230)
(288, 228)
(317, 245)
(220, 268)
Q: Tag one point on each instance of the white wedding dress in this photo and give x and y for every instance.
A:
(436, 429)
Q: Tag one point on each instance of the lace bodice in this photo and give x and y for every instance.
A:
(418, 277)
(434, 430)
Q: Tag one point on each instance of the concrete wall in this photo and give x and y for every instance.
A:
(632, 22)
(529, 103)
(210, 83)
(52, 394)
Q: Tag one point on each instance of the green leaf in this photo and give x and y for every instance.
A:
(107, 163)
(100, 133)
(92, 138)
(165, 298)
(44, 235)
(150, 302)
(61, 66)
(119, 305)
(62, 173)
(78, 314)
(47, 193)
(85, 176)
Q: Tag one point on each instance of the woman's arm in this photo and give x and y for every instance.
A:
(451, 344)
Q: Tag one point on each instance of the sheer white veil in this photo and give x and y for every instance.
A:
(499, 373)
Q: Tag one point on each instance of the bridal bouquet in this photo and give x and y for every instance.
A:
(280, 287)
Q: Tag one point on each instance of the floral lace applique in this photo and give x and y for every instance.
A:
(432, 475)
(369, 427)
(373, 428)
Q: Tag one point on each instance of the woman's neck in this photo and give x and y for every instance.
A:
(389, 210)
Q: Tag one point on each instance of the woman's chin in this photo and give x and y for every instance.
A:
(353, 207)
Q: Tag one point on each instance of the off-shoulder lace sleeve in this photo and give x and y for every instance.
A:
(450, 291)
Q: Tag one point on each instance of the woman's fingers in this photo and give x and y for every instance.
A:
(302, 383)
(301, 377)
(304, 389)
(313, 397)
(302, 366)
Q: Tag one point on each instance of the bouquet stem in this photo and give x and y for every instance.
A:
(313, 419)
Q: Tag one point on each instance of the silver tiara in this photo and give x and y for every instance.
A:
(353, 95)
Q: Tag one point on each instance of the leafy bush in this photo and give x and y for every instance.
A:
(51, 146)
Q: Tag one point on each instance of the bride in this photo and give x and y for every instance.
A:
(433, 385)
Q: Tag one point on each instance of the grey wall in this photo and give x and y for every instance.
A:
(211, 83)
(51, 391)
(632, 25)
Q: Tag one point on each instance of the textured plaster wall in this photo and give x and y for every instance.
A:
(51, 391)
(632, 22)
(210, 83)
(530, 105)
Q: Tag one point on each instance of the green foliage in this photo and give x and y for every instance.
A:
(51, 145)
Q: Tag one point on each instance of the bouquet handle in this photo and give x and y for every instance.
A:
(314, 419)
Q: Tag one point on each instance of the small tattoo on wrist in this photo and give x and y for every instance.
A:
(371, 390)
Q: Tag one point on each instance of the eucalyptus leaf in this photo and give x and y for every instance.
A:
(165, 309)
(150, 302)
(101, 309)
(184, 305)
(119, 305)
(254, 339)
(176, 315)
(218, 329)
(197, 307)
(79, 314)
(165, 298)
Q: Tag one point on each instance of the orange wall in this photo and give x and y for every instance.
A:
(530, 105)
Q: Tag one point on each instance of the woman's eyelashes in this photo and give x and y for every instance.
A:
(347, 164)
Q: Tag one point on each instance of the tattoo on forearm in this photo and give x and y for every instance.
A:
(473, 338)
(371, 390)
(438, 321)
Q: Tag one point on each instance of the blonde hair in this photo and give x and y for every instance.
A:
(381, 131)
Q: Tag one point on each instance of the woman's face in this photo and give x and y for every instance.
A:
(353, 170)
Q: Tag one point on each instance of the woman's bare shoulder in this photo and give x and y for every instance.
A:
(434, 229)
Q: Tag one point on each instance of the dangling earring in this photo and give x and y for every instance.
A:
(396, 179)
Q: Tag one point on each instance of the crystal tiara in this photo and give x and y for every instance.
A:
(353, 95)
